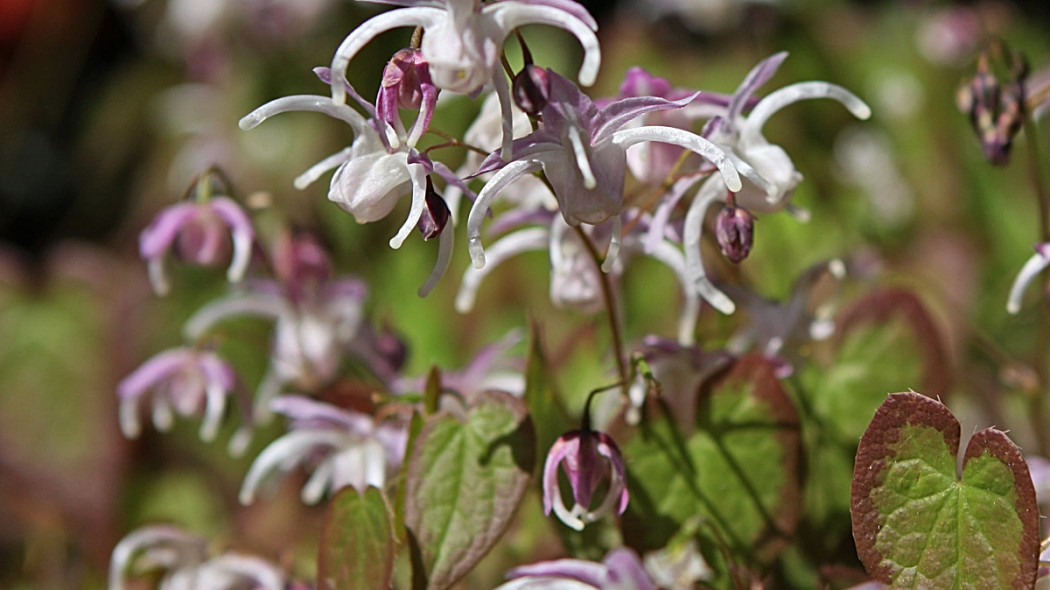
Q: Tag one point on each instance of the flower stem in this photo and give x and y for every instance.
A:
(610, 308)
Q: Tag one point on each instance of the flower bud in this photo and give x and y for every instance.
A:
(734, 230)
(435, 215)
(587, 457)
(995, 100)
(532, 89)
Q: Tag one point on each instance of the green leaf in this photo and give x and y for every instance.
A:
(919, 524)
(357, 542)
(541, 397)
(738, 471)
(466, 477)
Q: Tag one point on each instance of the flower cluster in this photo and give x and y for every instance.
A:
(593, 182)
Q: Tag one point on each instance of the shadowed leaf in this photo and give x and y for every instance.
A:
(738, 471)
(919, 524)
(466, 477)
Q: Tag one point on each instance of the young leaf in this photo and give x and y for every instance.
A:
(466, 477)
(738, 472)
(918, 523)
(357, 542)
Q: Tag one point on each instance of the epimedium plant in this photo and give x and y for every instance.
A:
(725, 460)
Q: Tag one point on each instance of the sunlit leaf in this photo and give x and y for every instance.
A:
(919, 523)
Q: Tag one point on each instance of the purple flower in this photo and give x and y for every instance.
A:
(581, 149)
(587, 457)
(344, 448)
(183, 558)
(184, 381)
(1031, 269)
(735, 230)
(200, 233)
(463, 40)
(620, 570)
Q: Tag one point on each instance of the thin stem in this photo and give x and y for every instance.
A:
(610, 308)
(451, 141)
(1037, 400)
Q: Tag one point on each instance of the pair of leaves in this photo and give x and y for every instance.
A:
(737, 471)
(918, 522)
(466, 475)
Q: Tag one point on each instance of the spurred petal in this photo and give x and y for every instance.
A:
(534, 238)
(1035, 265)
(759, 75)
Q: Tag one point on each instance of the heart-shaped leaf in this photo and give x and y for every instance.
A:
(466, 476)
(738, 471)
(918, 523)
(357, 542)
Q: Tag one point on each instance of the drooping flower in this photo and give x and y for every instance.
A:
(463, 40)
(380, 166)
(588, 458)
(581, 149)
(185, 562)
(770, 175)
(1031, 269)
(184, 381)
(620, 570)
(342, 447)
(995, 100)
(200, 233)
(316, 317)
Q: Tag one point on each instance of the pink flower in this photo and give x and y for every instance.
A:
(587, 457)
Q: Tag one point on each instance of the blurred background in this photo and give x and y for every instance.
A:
(108, 111)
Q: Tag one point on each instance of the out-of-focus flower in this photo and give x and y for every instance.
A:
(184, 381)
(620, 570)
(778, 329)
(463, 40)
(200, 233)
(587, 457)
(678, 367)
(183, 559)
(343, 448)
(574, 281)
(316, 318)
(582, 151)
(702, 16)
(1031, 269)
(995, 100)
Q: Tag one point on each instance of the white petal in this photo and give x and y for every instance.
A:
(614, 244)
(158, 278)
(267, 306)
(691, 141)
(317, 170)
(497, 183)
(419, 201)
(751, 130)
(583, 163)
(1035, 265)
(366, 31)
(512, 15)
(306, 102)
(710, 192)
(284, 454)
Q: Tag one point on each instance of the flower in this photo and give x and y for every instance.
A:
(582, 151)
(620, 570)
(734, 231)
(378, 168)
(1035, 265)
(345, 448)
(587, 457)
(184, 559)
(316, 317)
(770, 174)
(995, 100)
(197, 232)
(186, 381)
(463, 40)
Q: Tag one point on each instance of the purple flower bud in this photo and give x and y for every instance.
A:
(406, 84)
(532, 89)
(995, 100)
(587, 457)
(734, 230)
(435, 215)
